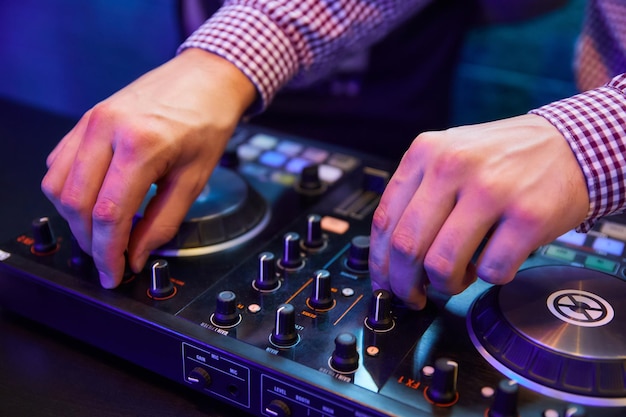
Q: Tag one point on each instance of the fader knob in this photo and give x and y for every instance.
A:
(345, 358)
(380, 318)
(505, 400)
(266, 279)
(314, 236)
(321, 296)
(442, 390)
(358, 254)
(45, 241)
(291, 251)
(226, 314)
(160, 285)
(284, 333)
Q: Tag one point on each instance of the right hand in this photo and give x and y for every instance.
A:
(168, 127)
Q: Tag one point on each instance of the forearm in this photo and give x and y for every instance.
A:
(594, 124)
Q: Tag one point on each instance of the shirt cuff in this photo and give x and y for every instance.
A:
(253, 43)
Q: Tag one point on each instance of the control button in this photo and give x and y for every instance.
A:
(273, 159)
(247, 152)
(45, 242)
(315, 154)
(310, 182)
(329, 174)
(607, 245)
(345, 162)
(345, 358)
(292, 258)
(442, 391)
(575, 411)
(263, 141)
(505, 400)
(226, 314)
(278, 408)
(296, 165)
(161, 286)
(267, 280)
(314, 236)
(289, 148)
(379, 318)
(284, 334)
(199, 377)
(600, 264)
(321, 296)
(560, 253)
(358, 254)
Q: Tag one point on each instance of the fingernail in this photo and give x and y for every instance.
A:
(106, 281)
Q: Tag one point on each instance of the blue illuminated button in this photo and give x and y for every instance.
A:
(273, 159)
(247, 152)
(560, 253)
(606, 245)
(573, 237)
(289, 148)
(315, 154)
(296, 165)
(600, 264)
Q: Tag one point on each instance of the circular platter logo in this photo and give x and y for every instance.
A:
(580, 308)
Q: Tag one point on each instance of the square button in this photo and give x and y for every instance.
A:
(263, 141)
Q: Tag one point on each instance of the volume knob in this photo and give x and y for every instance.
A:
(226, 314)
(345, 358)
(442, 390)
(284, 334)
(505, 400)
(160, 285)
(45, 241)
(358, 254)
(321, 297)
(291, 251)
(314, 237)
(266, 279)
(380, 318)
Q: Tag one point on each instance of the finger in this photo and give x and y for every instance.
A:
(69, 142)
(163, 216)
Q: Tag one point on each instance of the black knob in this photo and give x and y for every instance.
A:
(284, 333)
(291, 251)
(442, 390)
(226, 314)
(314, 236)
(574, 410)
(45, 242)
(310, 182)
(199, 377)
(321, 296)
(380, 318)
(79, 259)
(505, 400)
(266, 279)
(358, 254)
(160, 285)
(278, 408)
(345, 357)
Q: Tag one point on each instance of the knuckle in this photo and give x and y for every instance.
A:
(404, 245)
(106, 211)
(438, 268)
(380, 219)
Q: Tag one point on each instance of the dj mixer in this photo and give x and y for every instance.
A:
(263, 301)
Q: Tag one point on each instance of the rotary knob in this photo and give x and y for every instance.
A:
(345, 357)
(358, 254)
(160, 284)
(310, 183)
(45, 242)
(505, 400)
(380, 318)
(442, 391)
(314, 237)
(291, 251)
(284, 334)
(199, 377)
(266, 279)
(574, 410)
(321, 296)
(226, 314)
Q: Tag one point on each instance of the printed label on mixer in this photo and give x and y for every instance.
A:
(4, 255)
(580, 308)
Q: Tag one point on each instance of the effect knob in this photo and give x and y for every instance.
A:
(442, 391)
(160, 285)
(291, 251)
(284, 333)
(267, 279)
(314, 236)
(358, 254)
(321, 297)
(226, 314)
(345, 357)
(505, 400)
(380, 318)
(45, 242)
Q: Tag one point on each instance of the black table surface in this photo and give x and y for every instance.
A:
(43, 372)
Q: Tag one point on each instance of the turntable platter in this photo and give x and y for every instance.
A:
(227, 213)
(558, 330)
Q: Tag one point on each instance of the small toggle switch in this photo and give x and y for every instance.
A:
(292, 259)
(358, 254)
(380, 318)
(266, 280)
(45, 242)
(442, 390)
(226, 314)
(505, 400)
(345, 358)
(160, 284)
(284, 334)
(321, 295)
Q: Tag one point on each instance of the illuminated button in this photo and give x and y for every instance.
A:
(606, 245)
(335, 225)
(329, 173)
(600, 264)
(573, 237)
(315, 154)
(255, 170)
(345, 162)
(296, 165)
(560, 253)
(273, 159)
(263, 141)
(247, 152)
(615, 230)
(289, 148)
(283, 178)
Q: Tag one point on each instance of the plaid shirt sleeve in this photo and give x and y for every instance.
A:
(594, 124)
(281, 41)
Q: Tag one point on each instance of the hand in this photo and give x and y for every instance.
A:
(514, 181)
(168, 127)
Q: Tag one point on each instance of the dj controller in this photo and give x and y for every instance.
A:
(263, 301)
